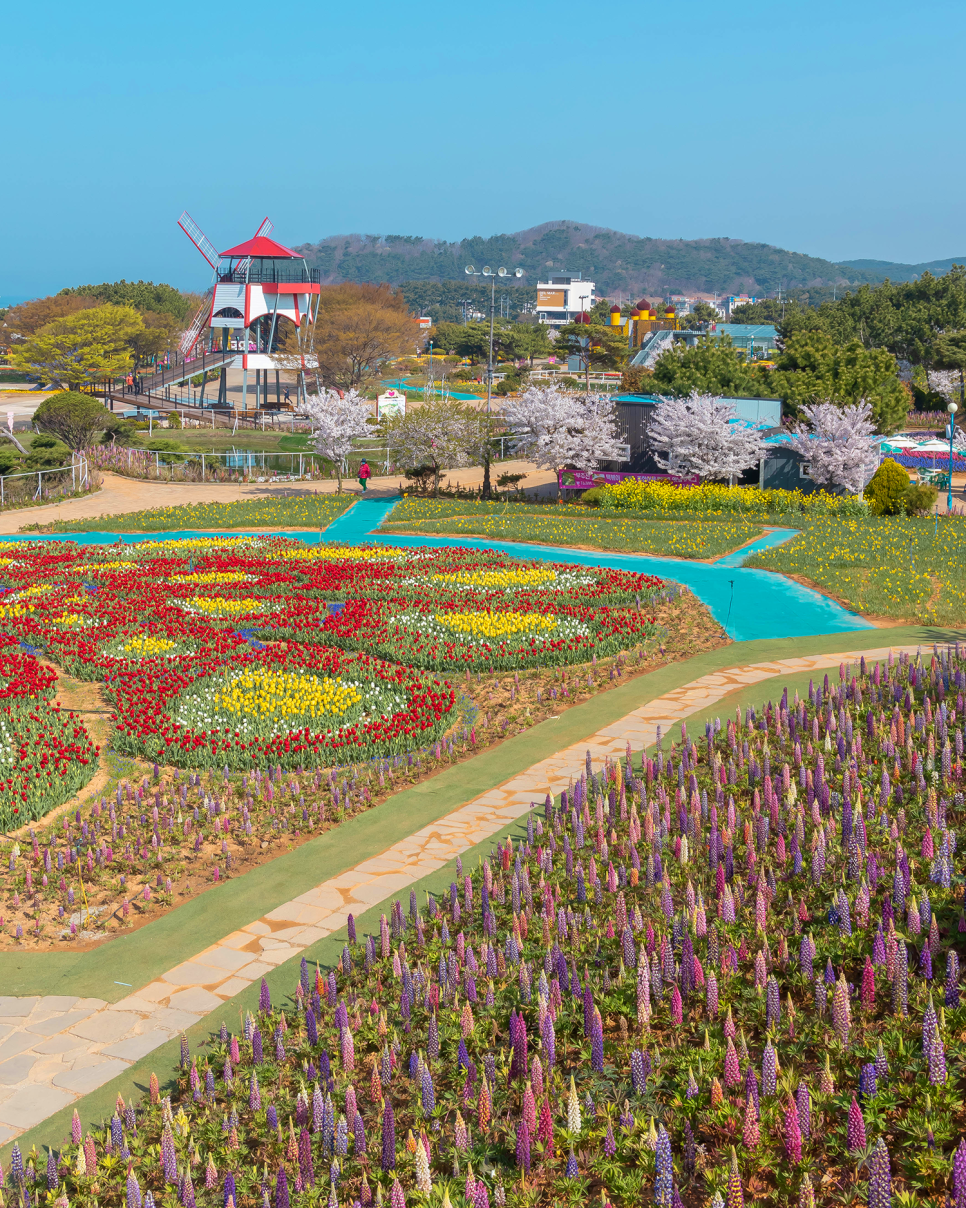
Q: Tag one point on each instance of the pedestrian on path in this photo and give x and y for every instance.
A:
(129, 384)
(364, 475)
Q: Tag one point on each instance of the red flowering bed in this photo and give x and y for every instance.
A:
(148, 700)
(453, 635)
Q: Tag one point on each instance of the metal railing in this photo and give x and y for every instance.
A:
(79, 471)
(268, 274)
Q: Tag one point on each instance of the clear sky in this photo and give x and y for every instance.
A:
(829, 128)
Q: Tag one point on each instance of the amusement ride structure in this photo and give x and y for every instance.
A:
(258, 286)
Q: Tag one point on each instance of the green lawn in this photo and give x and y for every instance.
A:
(308, 511)
(888, 566)
(572, 526)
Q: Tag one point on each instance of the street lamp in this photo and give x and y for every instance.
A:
(952, 409)
(488, 272)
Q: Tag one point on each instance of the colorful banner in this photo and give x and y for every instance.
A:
(584, 480)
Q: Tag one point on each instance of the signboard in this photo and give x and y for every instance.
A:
(583, 480)
(550, 297)
(393, 402)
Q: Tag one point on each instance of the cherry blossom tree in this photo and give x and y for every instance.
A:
(838, 446)
(337, 420)
(439, 434)
(555, 429)
(701, 435)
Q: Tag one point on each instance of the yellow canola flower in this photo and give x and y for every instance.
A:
(212, 576)
(221, 606)
(285, 694)
(496, 625)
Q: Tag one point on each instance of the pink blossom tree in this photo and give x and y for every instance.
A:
(838, 445)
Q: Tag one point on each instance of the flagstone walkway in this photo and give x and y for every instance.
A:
(54, 1049)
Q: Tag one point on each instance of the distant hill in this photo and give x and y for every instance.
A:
(880, 269)
(618, 262)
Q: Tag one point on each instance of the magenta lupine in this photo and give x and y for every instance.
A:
(388, 1138)
(523, 1147)
(677, 1011)
(855, 1130)
(804, 1102)
(751, 1133)
(711, 995)
(792, 1132)
(732, 1070)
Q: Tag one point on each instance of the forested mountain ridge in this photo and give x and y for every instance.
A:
(618, 262)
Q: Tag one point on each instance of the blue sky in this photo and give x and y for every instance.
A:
(828, 128)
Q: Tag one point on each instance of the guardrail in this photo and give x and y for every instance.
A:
(79, 471)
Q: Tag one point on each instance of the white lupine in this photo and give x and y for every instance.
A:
(573, 1109)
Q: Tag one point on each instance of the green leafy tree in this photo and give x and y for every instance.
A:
(528, 340)
(72, 417)
(142, 295)
(88, 346)
(704, 312)
(596, 346)
(813, 368)
(949, 352)
(711, 366)
(887, 489)
(473, 339)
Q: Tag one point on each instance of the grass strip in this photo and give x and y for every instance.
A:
(312, 510)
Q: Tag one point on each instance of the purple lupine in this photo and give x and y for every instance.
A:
(523, 1146)
(959, 1175)
(769, 1070)
(281, 1189)
(930, 1027)
(711, 995)
(638, 1077)
(169, 1159)
(257, 1056)
(880, 1177)
(572, 1170)
(881, 1063)
(265, 1004)
(254, 1096)
(53, 1182)
(773, 1007)
(229, 1192)
(305, 1159)
(185, 1055)
(804, 1102)
(388, 1138)
(951, 997)
(133, 1190)
(597, 1043)
(188, 1192)
(359, 1136)
(663, 1169)
(351, 927)
(937, 1062)
(855, 1130)
(428, 1092)
(867, 1081)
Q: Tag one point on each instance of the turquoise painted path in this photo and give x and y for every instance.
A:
(749, 604)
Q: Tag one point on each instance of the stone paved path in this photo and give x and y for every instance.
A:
(55, 1049)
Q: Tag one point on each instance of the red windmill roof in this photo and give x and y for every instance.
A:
(261, 246)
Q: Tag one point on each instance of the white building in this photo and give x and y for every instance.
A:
(562, 298)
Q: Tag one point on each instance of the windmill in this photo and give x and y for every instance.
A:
(256, 281)
(204, 245)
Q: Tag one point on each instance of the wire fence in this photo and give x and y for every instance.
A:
(240, 465)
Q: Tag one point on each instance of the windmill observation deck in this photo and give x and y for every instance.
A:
(270, 272)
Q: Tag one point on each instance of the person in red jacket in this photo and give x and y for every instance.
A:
(364, 475)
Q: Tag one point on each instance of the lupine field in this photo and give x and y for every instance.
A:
(723, 972)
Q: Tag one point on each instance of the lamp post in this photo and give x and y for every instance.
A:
(488, 272)
(952, 409)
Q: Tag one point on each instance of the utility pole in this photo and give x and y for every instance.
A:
(488, 272)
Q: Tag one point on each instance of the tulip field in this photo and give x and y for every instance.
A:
(722, 972)
(262, 690)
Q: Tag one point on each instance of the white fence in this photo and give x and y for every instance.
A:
(10, 484)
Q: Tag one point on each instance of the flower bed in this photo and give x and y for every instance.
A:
(452, 637)
(729, 970)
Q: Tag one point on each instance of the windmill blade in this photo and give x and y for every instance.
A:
(198, 323)
(199, 239)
